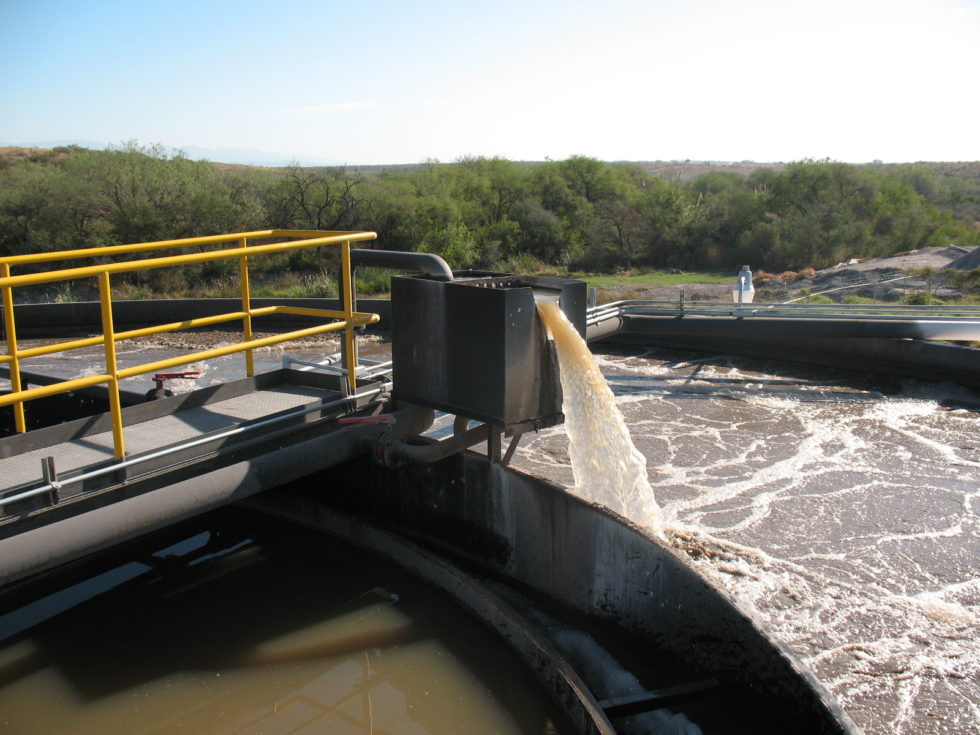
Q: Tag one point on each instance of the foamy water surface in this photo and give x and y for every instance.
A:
(843, 515)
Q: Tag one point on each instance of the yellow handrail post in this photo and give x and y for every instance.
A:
(348, 296)
(8, 320)
(109, 338)
(246, 306)
(346, 319)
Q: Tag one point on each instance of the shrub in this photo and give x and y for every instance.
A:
(321, 285)
(373, 281)
(770, 295)
(525, 263)
(922, 298)
(605, 296)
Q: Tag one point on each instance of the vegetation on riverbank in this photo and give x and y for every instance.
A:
(577, 215)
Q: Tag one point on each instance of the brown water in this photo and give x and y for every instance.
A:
(607, 466)
(844, 516)
(247, 627)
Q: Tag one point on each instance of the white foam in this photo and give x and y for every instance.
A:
(844, 518)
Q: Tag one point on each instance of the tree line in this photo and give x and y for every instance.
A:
(579, 214)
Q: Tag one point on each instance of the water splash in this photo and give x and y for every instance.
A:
(845, 518)
(607, 467)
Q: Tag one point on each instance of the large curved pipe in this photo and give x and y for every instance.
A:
(46, 547)
(427, 263)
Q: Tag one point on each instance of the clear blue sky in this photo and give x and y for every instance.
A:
(400, 82)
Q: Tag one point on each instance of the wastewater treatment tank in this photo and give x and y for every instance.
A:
(445, 598)
(294, 608)
(237, 622)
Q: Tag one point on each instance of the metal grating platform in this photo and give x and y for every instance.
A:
(183, 425)
(69, 468)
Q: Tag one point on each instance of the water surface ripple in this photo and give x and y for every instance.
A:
(844, 516)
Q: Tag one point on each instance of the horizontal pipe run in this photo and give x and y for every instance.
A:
(845, 320)
(814, 327)
(719, 309)
(427, 263)
(604, 328)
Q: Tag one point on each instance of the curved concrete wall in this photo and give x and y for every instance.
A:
(581, 556)
(810, 344)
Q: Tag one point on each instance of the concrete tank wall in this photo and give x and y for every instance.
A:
(572, 552)
(907, 358)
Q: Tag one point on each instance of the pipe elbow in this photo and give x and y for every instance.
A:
(428, 263)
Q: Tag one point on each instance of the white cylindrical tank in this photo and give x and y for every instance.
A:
(744, 291)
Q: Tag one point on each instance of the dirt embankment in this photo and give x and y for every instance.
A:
(891, 279)
(882, 279)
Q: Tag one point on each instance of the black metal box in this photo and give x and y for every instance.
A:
(475, 347)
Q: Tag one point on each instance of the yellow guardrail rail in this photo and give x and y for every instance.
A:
(345, 319)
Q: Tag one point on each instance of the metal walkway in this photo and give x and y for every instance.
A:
(47, 467)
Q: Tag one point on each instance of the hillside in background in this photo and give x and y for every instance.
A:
(579, 214)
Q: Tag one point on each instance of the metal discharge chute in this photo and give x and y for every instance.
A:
(474, 347)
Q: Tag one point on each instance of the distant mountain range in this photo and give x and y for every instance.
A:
(245, 156)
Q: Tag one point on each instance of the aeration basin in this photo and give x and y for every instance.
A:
(475, 347)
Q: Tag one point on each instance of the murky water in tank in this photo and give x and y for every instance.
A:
(257, 629)
(845, 517)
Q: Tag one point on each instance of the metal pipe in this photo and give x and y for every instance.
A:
(427, 263)
(603, 328)
(920, 329)
(936, 323)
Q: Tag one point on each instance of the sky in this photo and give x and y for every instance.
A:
(386, 82)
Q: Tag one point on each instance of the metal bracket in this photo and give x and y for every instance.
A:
(50, 475)
(511, 449)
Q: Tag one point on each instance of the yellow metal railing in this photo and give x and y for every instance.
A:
(345, 319)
